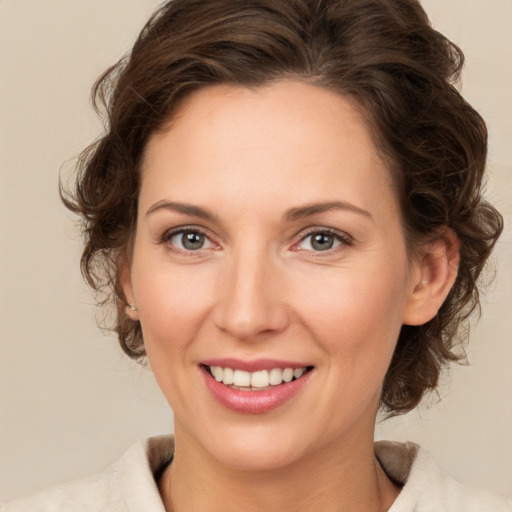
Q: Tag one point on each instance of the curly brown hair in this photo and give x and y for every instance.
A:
(382, 53)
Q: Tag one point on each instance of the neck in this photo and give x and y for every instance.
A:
(341, 477)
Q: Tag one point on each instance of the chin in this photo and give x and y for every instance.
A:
(267, 457)
(260, 448)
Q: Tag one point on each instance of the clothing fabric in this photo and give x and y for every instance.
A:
(129, 485)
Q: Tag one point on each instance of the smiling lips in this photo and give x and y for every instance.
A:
(255, 381)
(234, 387)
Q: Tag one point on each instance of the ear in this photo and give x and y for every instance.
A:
(124, 278)
(433, 274)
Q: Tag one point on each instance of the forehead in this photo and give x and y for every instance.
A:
(307, 108)
(287, 137)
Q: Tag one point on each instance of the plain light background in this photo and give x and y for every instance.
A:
(70, 402)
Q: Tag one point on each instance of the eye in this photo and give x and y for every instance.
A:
(189, 240)
(319, 241)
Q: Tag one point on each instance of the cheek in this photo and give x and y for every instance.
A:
(355, 320)
(172, 308)
(356, 315)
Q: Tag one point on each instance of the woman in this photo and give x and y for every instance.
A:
(286, 212)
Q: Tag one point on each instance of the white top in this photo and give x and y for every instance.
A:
(129, 485)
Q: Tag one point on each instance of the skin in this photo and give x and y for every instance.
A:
(258, 288)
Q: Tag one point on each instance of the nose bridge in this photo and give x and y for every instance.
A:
(251, 302)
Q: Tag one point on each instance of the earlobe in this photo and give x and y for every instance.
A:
(132, 311)
(125, 281)
(433, 276)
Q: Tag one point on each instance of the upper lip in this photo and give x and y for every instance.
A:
(253, 365)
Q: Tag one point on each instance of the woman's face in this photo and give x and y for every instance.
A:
(269, 237)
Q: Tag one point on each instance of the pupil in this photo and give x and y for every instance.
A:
(192, 241)
(322, 242)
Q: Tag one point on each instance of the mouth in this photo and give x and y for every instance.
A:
(260, 380)
(255, 386)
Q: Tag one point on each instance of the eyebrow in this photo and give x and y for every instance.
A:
(185, 208)
(312, 209)
(290, 215)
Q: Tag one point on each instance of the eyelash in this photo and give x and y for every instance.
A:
(344, 239)
(168, 235)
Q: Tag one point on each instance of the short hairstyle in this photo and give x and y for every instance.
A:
(385, 55)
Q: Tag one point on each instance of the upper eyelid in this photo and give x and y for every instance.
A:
(344, 238)
(215, 233)
(188, 227)
(166, 237)
(304, 233)
(318, 229)
(169, 233)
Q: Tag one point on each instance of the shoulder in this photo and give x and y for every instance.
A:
(127, 485)
(99, 490)
(426, 488)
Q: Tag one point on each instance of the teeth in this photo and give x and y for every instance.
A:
(228, 376)
(241, 378)
(217, 373)
(276, 376)
(298, 372)
(259, 379)
(287, 374)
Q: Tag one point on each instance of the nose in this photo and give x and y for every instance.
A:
(252, 299)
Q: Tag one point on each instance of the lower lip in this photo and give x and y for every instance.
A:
(253, 402)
